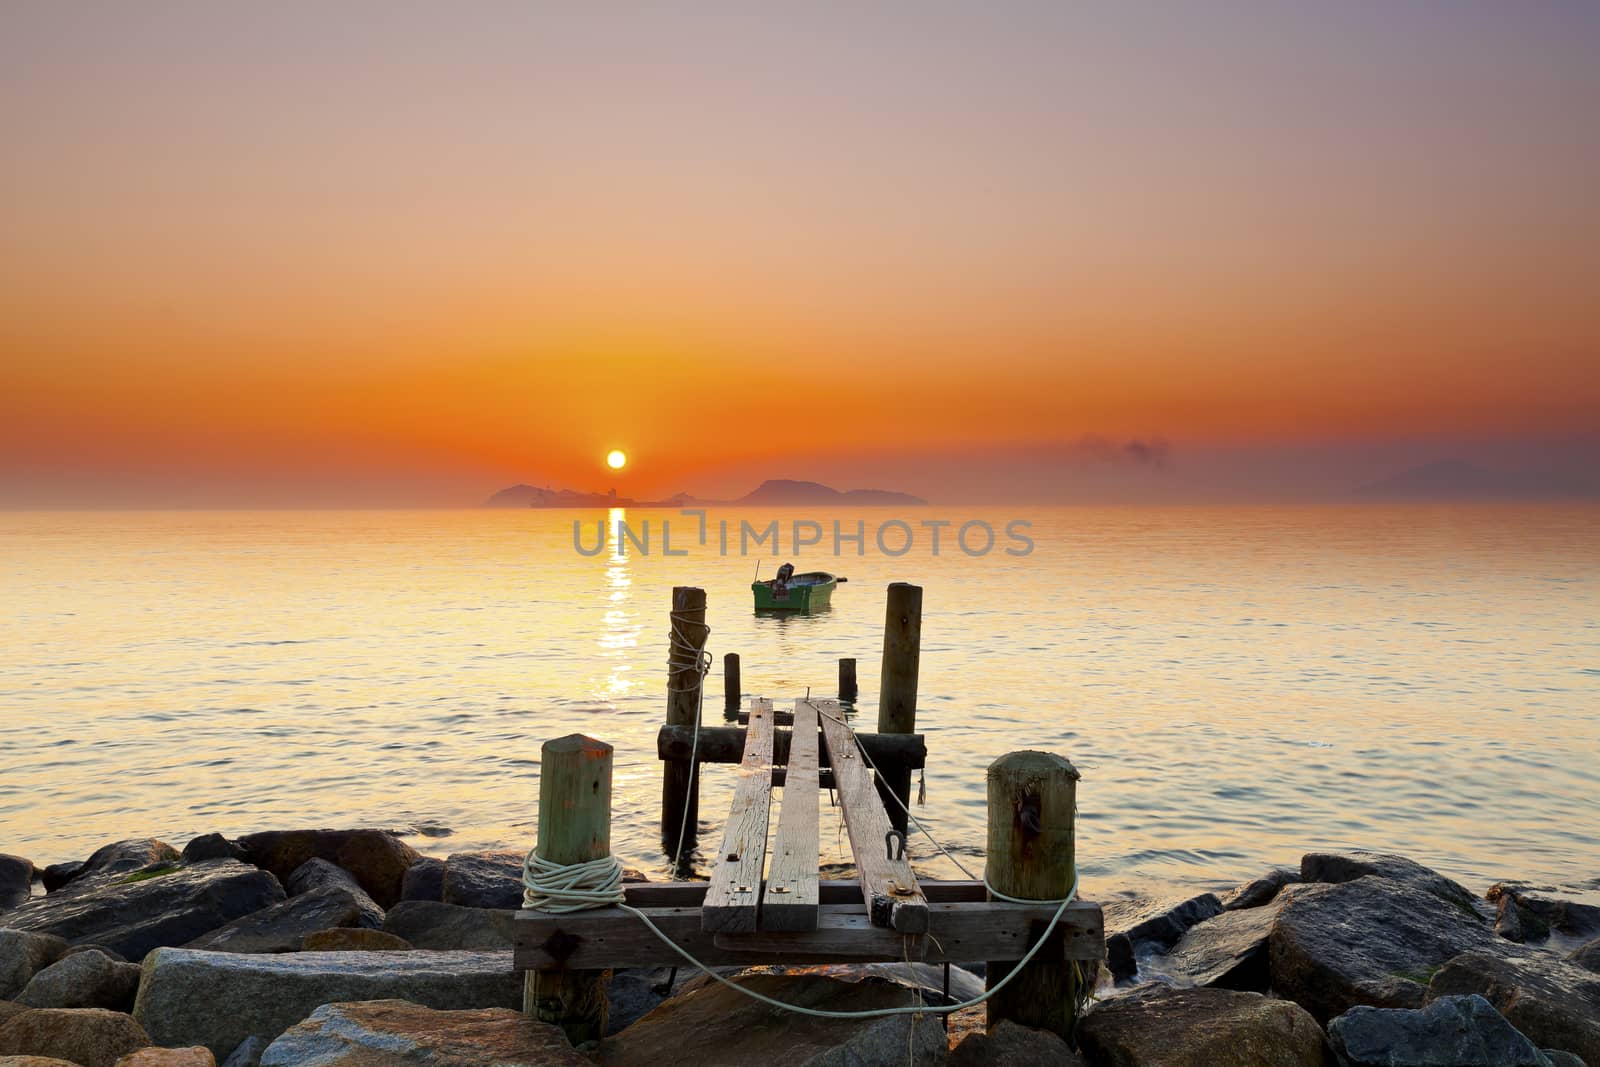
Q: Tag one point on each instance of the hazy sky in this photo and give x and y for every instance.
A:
(415, 252)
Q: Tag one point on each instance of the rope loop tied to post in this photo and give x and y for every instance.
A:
(559, 889)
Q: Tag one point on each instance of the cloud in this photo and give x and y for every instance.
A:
(1154, 452)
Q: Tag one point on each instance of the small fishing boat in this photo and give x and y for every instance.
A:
(808, 591)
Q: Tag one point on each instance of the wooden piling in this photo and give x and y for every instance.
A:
(897, 689)
(574, 827)
(732, 687)
(847, 680)
(680, 779)
(1032, 801)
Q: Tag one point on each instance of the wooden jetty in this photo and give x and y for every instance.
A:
(770, 905)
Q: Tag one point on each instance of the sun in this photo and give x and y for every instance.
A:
(616, 459)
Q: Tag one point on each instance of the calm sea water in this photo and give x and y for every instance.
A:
(1237, 685)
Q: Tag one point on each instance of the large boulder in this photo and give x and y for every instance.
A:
(90, 1037)
(212, 847)
(88, 979)
(1337, 867)
(1132, 925)
(377, 859)
(1457, 1031)
(1229, 951)
(357, 1034)
(24, 954)
(1588, 956)
(132, 913)
(132, 855)
(1160, 1026)
(16, 880)
(715, 1026)
(1538, 915)
(424, 880)
(1261, 891)
(354, 939)
(434, 925)
(483, 879)
(169, 1057)
(283, 926)
(316, 874)
(1010, 1044)
(1552, 1001)
(1371, 941)
(218, 999)
(57, 875)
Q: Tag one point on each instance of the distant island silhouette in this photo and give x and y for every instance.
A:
(774, 492)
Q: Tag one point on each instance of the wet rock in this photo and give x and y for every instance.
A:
(169, 1057)
(347, 939)
(320, 874)
(1159, 1026)
(1555, 1003)
(483, 879)
(57, 875)
(1541, 915)
(246, 1054)
(1229, 951)
(1261, 891)
(1131, 924)
(1515, 923)
(424, 880)
(1588, 957)
(283, 926)
(1372, 941)
(134, 912)
(212, 847)
(378, 860)
(1457, 1031)
(90, 1037)
(16, 880)
(218, 999)
(1013, 1045)
(131, 855)
(83, 980)
(724, 1027)
(1337, 867)
(355, 1034)
(434, 925)
(22, 955)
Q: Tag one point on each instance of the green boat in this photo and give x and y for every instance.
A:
(789, 591)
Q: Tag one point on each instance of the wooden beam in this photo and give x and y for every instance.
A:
(829, 891)
(735, 890)
(887, 885)
(790, 899)
(725, 744)
(960, 933)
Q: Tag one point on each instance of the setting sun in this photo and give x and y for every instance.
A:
(616, 459)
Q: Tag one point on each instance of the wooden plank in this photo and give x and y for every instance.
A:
(887, 885)
(735, 890)
(790, 899)
(830, 891)
(725, 744)
(962, 933)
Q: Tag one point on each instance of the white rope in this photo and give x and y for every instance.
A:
(701, 665)
(559, 889)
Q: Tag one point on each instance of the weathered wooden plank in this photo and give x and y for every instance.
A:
(735, 891)
(725, 744)
(830, 891)
(790, 899)
(887, 885)
(961, 933)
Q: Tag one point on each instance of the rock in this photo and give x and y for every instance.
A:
(108, 953)
(1558, 1058)
(10, 1009)
(319, 874)
(212, 847)
(218, 999)
(59, 874)
(1228, 951)
(1515, 923)
(132, 913)
(1588, 957)
(83, 980)
(16, 880)
(1540, 915)
(483, 879)
(1337, 867)
(246, 1054)
(1159, 1026)
(715, 1026)
(1131, 924)
(1552, 1001)
(424, 880)
(354, 1035)
(377, 860)
(22, 955)
(433, 925)
(1458, 1031)
(90, 1037)
(346, 939)
(1012, 1045)
(1372, 941)
(129, 856)
(283, 926)
(169, 1057)
(34, 1061)
(1261, 891)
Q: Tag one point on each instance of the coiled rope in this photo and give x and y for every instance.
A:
(699, 661)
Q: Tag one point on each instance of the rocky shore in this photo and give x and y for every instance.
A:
(348, 947)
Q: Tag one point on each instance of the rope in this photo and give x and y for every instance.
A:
(700, 663)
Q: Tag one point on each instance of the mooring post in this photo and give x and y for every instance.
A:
(732, 688)
(897, 690)
(1032, 800)
(574, 827)
(680, 779)
(847, 680)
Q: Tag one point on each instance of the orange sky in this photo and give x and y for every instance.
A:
(377, 248)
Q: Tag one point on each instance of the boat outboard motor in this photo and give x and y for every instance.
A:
(780, 584)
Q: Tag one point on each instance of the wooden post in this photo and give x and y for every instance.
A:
(574, 827)
(847, 681)
(897, 690)
(680, 779)
(732, 688)
(1032, 800)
